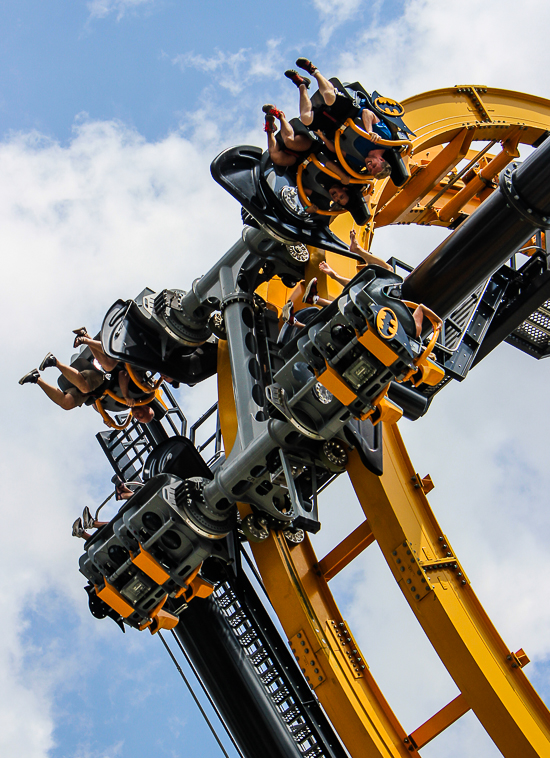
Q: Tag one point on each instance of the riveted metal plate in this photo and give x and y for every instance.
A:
(307, 659)
(409, 571)
(345, 647)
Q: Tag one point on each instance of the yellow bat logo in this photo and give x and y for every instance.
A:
(388, 106)
(386, 323)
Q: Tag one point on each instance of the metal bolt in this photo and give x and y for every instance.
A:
(320, 678)
(464, 581)
(299, 635)
(417, 597)
(408, 581)
(413, 589)
(302, 643)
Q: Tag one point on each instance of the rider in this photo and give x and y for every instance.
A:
(311, 298)
(327, 118)
(89, 384)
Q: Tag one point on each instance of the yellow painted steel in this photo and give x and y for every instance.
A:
(447, 122)
(462, 634)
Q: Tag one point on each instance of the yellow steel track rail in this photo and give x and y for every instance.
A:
(446, 122)
(484, 669)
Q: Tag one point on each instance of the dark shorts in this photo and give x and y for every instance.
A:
(329, 118)
(301, 130)
(94, 378)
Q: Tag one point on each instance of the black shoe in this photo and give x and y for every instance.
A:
(287, 314)
(31, 378)
(78, 529)
(49, 361)
(307, 65)
(310, 295)
(88, 521)
(295, 77)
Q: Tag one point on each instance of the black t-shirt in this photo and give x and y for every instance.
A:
(329, 118)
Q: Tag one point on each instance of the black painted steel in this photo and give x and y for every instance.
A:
(486, 240)
(216, 634)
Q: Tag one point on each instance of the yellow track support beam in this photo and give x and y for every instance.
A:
(445, 605)
(349, 694)
(343, 554)
(455, 117)
(439, 722)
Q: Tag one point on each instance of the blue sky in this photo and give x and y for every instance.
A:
(110, 113)
(124, 60)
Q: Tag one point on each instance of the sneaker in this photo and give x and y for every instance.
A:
(295, 77)
(288, 313)
(310, 295)
(270, 127)
(88, 521)
(49, 361)
(31, 378)
(307, 65)
(271, 110)
(78, 528)
(80, 333)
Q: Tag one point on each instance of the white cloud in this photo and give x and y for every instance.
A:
(433, 44)
(82, 225)
(102, 8)
(334, 13)
(110, 213)
(234, 71)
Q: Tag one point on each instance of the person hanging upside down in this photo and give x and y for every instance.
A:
(294, 143)
(88, 385)
(326, 119)
(311, 297)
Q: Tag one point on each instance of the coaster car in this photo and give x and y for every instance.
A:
(131, 335)
(389, 112)
(145, 564)
(351, 351)
(277, 197)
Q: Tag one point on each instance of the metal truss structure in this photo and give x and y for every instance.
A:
(298, 407)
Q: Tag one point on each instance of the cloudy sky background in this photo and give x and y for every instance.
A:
(110, 113)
